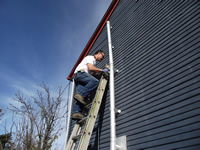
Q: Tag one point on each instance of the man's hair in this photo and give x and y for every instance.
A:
(99, 51)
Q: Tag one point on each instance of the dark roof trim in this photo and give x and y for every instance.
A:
(94, 36)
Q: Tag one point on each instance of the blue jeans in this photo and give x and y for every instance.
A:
(85, 83)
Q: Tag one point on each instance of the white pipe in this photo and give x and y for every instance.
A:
(69, 115)
(112, 93)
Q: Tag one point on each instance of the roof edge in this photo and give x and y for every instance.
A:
(94, 36)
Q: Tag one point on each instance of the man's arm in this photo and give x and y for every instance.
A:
(93, 68)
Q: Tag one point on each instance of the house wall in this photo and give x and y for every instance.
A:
(157, 50)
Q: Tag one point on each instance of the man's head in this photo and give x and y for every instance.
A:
(99, 55)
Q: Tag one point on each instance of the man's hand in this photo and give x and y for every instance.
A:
(105, 70)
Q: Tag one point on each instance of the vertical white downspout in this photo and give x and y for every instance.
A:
(69, 115)
(112, 92)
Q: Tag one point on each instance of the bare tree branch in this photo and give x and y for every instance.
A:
(38, 126)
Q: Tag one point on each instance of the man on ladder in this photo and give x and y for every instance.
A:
(85, 82)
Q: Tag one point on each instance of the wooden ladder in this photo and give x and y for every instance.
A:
(82, 130)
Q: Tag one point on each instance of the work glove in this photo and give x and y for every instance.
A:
(105, 70)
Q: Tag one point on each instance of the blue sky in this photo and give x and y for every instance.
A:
(41, 40)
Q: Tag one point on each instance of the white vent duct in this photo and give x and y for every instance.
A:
(112, 92)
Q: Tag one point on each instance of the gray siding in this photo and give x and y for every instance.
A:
(157, 50)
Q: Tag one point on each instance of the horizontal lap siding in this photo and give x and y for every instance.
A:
(157, 50)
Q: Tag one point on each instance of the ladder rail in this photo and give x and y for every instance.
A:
(76, 131)
(85, 138)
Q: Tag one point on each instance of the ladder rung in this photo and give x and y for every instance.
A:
(76, 137)
(88, 106)
(82, 120)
